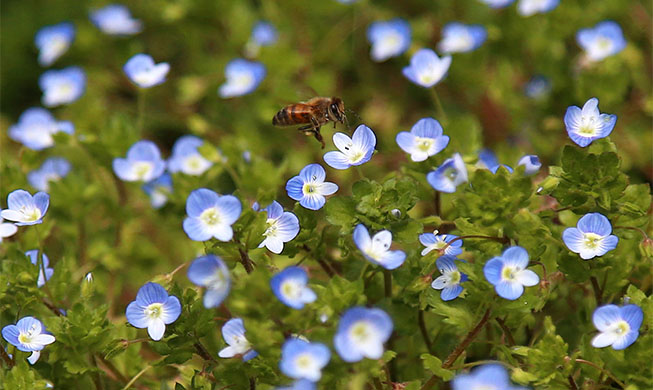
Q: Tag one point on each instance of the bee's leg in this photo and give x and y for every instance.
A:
(316, 131)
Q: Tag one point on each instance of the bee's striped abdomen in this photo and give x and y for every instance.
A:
(294, 114)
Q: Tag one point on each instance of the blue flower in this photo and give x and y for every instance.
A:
(538, 87)
(25, 209)
(309, 187)
(281, 227)
(461, 38)
(242, 77)
(377, 249)
(43, 277)
(143, 163)
(388, 39)
(301, 384)
(497, 3)
(451, 278)
(591, 237)
(210, 271)
(586, 125)
(143, 72)
(604, 40)
(353, 151)
(426, 68)
(7, 229)
(35, 128)
(488, 160)
(290, 287)
(508, 273)
(153, 309)
(158, 190)
(186, 158)
(531, 164)
(233, 333)
(115, 19)
(449, 175)
(264, 33)
(53, 41)
(617, 326)
(52, 169)
(303, 360)
(487, 376)
(432, 241)
(361, 334)
(532, 7)
(28, 335)
(62, 86)
(424, 140)
(211, 215)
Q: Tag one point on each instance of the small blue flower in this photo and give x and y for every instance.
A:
(186, 158)
(591, 237)
(538, 87)
(361, 334)
(242, 78)
(143, 72)
(210, 271)
(451, 278)
(158, 190)
(211, 215)
(488, 160)
(353, 151)
(233, 333)
(290, 287)
(388, 39)
(427, 69)
(497, 3)
(53, 41)
(25, 209)
(618, 326)
(424, 140)
(7, 229)
(115, 19)
(264, 33)
(309, 187)
(461, 38)
(153, 309)
(143, 163)
(433, 241)
(586, 125)
(303, 360)
(28, 335)
(508, 273)
(281, 227)
(301, 384)
(449, 175)
(531, 163)
(532, 7)
(52, 169)
(487, 376)
(604, 40)
(35, 128)
(43, 277)
(377, 249)
(62, 86)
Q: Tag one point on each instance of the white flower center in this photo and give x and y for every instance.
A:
(423, 144)
(510, 273)
(26, 338)
(621, 327)
(271, 231)
(304, 361)
(592, 240)
(309, 188)
(391, 42)
(31, 214)
(243, 80)
(454, 277)
(291, 289)
(210, 216)
(154, 311)
(142, 169)
(360, 332)
(451, 173)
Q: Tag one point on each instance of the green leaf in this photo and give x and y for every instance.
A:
(434, 365)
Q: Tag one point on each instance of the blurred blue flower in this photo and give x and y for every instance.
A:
(449, 281)
(361, 334)
(143, 72)
(143, 163)
(153, 309)
(532, 7)
(7, 229)
(303, 360)
(301, 384)
(497, 3)
(233, 333)
(186, 158)
(388, 39)
(158, 190)
(377, 249)
(115, 19)
(211, 215)
(309, 187)
(35, 128)
(461, 38)
(449, 175)
(242, 77)
(538, 87)
(264, 33)
(346, 1)
(586, 125)
(352, 151)
(433, 241)
(53, 41)
(591, 237)
(427, 69)
(62, 86)
(508, 273)
(210, 272)
(604, 40)
(25, 209)
(33, 258)
(28, 335)
(488, 160)
(290, 286)
(424, 140)
(52, 169)
(617, 326)
(281, 227)
(531, 164)
(487, 376)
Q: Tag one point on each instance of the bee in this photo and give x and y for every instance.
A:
(316, 113)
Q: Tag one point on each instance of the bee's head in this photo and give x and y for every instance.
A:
(337, 109)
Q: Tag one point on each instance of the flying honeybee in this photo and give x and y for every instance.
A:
(315, 113)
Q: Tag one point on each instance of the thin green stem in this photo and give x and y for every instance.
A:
(451, 359)
(135, 378)
(234, 175)
(503, 240)
(423, 329)
(642, 232)
(606, 372)
(140, 102)
(387, 283)
(438, 105)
